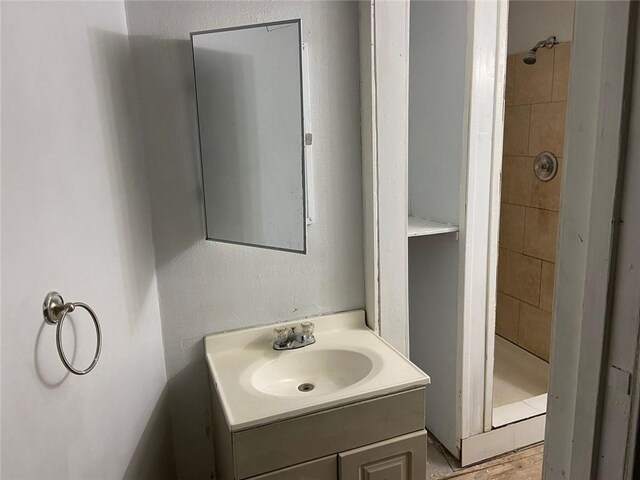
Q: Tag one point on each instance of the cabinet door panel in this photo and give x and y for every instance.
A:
(277, 445)
(322, 469)
(400, 458)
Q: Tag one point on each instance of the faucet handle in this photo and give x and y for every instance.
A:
(304, 332)
(307, 328)
(281, 335)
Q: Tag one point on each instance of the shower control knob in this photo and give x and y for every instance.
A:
(545, 166)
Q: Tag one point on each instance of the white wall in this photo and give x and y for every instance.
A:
(533, 20)
(205, 286)
(75, 217)
(438, 59)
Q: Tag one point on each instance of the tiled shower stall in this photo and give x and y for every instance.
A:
(536, 101)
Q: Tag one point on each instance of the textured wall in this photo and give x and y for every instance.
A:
(533, 20)
(536, 103)
(207, 287)
(76, 218)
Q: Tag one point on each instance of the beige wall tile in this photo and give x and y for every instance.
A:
(546, 286)
(534, 83)
(522, 277)
(561, 71)
(534, 330)
(507, 314)
(547, 128)
(510, 80)
(516, 130)
(501, 269)
(547, 194)
(540, 234)
(521, 179)
(512, 227)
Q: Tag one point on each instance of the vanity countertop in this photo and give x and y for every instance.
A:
(349, 362)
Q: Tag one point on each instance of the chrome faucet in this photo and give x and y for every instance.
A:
(285, 338)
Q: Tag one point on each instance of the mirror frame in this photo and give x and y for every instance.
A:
(303, 123)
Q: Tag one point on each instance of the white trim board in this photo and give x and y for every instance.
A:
(368, 116)
(501, 440)
(494, 207)
(385, 171)
(480, 206)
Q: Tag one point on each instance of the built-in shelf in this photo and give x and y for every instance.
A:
(419, 227)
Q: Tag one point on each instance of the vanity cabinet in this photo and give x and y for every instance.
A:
(400, 458)
(382, 437)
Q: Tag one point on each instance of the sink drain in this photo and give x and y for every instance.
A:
(306, 387)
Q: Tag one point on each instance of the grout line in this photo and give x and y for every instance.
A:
(529, 130)
(538, 103)
(517, 321)
(527, 206)
(553, 71)
(512, 343)
(540, 286)
(523, 301)
(525, 255)
(524, 228)
(517, 342)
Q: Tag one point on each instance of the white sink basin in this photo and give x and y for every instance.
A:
(311, 372)
(348, 362)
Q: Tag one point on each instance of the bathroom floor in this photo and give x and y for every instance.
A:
(524, 464)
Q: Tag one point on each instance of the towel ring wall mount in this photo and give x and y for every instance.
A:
(55, 310)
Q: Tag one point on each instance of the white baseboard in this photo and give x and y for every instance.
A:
(502, 440)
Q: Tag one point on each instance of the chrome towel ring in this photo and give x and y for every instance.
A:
(55, 311)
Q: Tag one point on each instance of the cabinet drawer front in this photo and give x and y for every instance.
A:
(322, 469)
(277, 445)
(402, 458)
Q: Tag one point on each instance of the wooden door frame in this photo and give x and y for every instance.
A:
(619, 420)
(595, 144)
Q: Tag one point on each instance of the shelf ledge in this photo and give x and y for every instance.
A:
(419, 227)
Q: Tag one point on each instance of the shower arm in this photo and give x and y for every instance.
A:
(548, 43)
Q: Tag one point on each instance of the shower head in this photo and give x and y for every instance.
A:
(530, 57)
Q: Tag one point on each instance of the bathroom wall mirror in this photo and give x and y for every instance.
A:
(249, 94)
